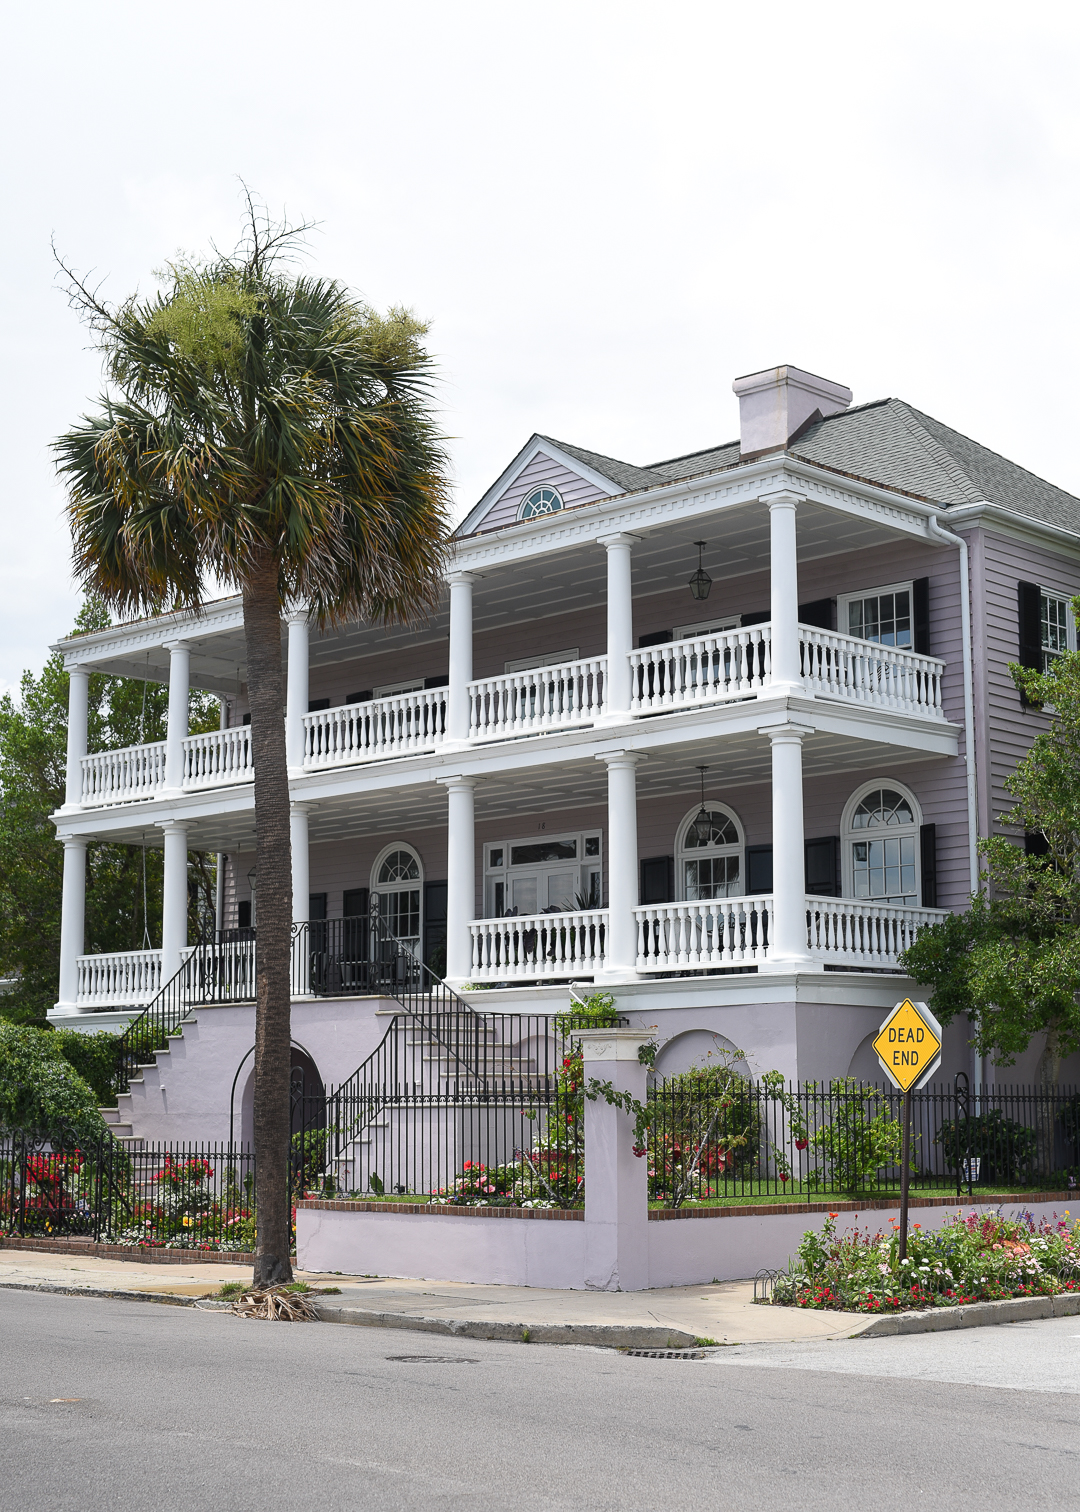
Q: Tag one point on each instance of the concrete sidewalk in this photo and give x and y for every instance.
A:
(670, 1318)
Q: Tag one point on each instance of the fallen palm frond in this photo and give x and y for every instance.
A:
(278, 1304)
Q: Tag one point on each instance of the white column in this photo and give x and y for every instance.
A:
(616, 1179)
(787, 925)
(72, 921)
(296, 697)
(174, 903)
(784, 583)
(461, 668)
(460, 876)
(298, 839)
(620, 626)
(219, 869)
(78, 702)
(176, 733)
(620, 949)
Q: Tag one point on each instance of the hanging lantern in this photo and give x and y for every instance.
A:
(701, 582)
(702, 827)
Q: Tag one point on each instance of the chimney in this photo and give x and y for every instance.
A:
(776, 404)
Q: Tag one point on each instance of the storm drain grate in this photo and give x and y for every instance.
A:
(667, 1354)
(434, 1359)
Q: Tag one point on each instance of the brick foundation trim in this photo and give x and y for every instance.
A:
(446, 1210)
(157, 1256)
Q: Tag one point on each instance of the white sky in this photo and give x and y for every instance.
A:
(608, 211)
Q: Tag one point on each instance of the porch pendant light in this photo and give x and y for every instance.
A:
(702, 827)
(701, 582)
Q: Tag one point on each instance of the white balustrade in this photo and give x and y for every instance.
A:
(218, 757)
(703, 935)
(886, 677)
(391, 726)
(529, 947)
(537, 699)
(701, 669)
(123, 776)
(123, 979)
(859, 932)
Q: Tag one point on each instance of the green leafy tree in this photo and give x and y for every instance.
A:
(1011, 962)
(266, 431)
(121, 913)
(40, 1090)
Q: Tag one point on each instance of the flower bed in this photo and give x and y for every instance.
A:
(983, 1257)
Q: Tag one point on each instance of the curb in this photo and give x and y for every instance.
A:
(604, 1335)
(974, 1315)
(170, 1299)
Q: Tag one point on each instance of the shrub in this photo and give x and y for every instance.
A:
(41, 1091)
(1007, 1149)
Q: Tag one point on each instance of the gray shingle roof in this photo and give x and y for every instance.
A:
(625, 474)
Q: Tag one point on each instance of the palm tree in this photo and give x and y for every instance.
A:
(264, 431)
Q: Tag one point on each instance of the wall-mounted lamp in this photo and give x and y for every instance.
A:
(701, 582)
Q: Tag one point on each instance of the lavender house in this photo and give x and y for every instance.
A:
(718, 733)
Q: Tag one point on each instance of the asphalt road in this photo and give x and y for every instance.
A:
(107, 1404)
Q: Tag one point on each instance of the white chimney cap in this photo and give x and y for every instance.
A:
(773, 404)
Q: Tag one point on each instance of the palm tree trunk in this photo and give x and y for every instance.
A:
(273, 925)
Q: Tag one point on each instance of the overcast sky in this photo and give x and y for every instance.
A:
(607, 211)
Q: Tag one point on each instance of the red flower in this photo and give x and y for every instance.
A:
(800, 1144)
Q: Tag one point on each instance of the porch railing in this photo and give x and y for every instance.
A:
(858, 932)
(123, 776)
(122, 979)
(858, 671)
(700, 669)
(541, 698)
(392, 726)
(218, 757)
(535, 946)
(700, 936)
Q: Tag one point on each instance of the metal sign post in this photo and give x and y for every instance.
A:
(908, 1047)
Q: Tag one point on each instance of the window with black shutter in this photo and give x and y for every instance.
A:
(759, 870)
(928, 859)
(821, 613)
(1028, 605)
(658, 880)
(823, 867)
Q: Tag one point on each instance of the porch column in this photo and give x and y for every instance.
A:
(296, 697)
(460, 876)
(784, 585)
(219, 869)
(174, 903)
(298, 839)
(620, 949)
(620, 625)
(176, 733)
(461, 648)
(787, 925)
(72, 921)
(78, 702)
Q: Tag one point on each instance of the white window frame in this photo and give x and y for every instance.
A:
(541, 488)
(844, 599)
(848, 836)
(683, 853)
(549, 659)
(376, 887)
(708, 627)
(392, 690)
(1070, 623)
(585, 865)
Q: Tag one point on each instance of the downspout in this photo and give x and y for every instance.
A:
(936, 531)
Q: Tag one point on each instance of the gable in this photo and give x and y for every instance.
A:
(542, 467)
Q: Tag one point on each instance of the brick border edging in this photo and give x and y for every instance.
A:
(159, 1255)
(660, 1215)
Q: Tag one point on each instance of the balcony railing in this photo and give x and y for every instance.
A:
(858, 671)
(123, 776)
(700, 669)
(703, 936)
(393, 726)
(217, 758)
(858, 932)
(539, 699)
(126, 978)
(531, 947)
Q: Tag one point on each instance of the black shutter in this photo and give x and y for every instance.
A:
(823, 866)
(435, 927)
(315, 704)
(442, 681)
(656, 638)
(364, 697)
(1028, 597)
(316, 906)
(821, 614)
(1036, 844)
(354, 902)
(920, 616)
(658, 879)
(757, 618)
(243, 913)
(928, 857)
(247, 718)
(759, 869)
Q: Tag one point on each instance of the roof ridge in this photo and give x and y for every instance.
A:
(911, 419)
(587, 451)
(1000, 455)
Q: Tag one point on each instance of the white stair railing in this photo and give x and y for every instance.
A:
(218, 757)
(858, 671)
(702, 935)
(527, 947)
(391, 726)
(700, 669)
(123, 776)
(538, 699)
(858, 932)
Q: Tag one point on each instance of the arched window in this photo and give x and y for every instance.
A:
(881, 844)
(709, 865)
(397, 888)
(541, 501)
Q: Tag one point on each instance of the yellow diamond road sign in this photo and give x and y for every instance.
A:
(908, 1045)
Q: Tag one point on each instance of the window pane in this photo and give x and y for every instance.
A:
(715, 877)
(1053, 624)
(546, 850)
(399, 866)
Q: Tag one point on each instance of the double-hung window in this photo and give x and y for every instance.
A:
(1053, 627)
(883, 615)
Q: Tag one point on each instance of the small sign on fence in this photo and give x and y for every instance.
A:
(908, 1045)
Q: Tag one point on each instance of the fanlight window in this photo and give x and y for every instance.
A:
(883, 865)
(711, 859)
(399, 866)
(542, 501)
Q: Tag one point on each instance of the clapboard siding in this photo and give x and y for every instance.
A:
(1011, 728)
(542, 472)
